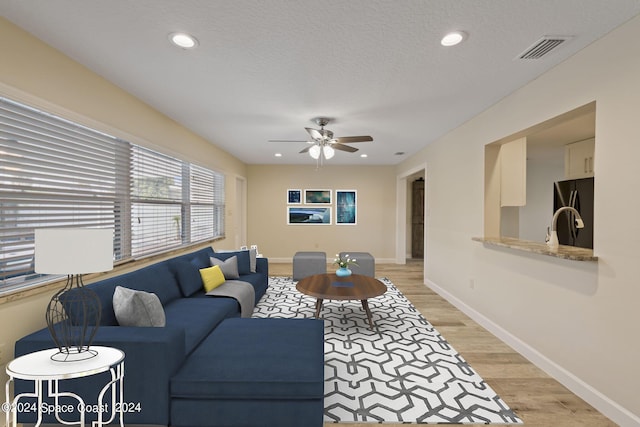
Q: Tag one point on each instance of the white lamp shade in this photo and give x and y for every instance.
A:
(328, 152)
(314, 151)
(73, 250)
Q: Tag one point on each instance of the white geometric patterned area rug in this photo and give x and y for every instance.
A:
(404, 371)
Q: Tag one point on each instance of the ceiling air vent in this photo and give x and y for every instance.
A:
(543, 46)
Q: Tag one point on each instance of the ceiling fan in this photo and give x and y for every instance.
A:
(323, 144)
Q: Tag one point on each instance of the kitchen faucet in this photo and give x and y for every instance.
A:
(552, 238)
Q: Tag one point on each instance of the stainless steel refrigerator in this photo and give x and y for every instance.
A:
(577, 193)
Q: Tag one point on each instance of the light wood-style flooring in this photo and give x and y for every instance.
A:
(537, 399)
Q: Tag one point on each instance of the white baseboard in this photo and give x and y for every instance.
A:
(598, 400)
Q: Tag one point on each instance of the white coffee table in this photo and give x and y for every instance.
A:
(39, 367)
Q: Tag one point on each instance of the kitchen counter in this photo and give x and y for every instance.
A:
(565, 252)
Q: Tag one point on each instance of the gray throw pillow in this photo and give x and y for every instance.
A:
(253, 254)
(137, 308)
(228, 266)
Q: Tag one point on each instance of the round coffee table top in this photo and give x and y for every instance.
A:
(332, 287)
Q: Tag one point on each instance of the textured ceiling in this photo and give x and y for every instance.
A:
(263, 69)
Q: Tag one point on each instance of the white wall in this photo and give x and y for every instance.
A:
(577, 320)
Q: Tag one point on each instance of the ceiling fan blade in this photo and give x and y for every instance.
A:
(286, 140)
(306, 149)
(343, 147)
(315, 134)
(352, 139)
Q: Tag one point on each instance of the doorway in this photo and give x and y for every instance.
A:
(417, 218)
(405, 214)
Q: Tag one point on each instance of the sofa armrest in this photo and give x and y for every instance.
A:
(152, 357)
(262, 266)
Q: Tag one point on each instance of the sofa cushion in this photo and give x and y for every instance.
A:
(156, 278)
(228, 266)
(244, 261)
(186, 269)
(268, 359)
(137, 308)
(199, 258)
(199, 316)
(212, 277)
(188, 276)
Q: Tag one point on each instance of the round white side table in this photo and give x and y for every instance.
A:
(39, 367)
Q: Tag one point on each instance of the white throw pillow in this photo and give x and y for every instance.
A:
(137, 308)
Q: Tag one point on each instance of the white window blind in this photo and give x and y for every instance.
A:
(53, 173)
(156, 201)
(56, 173)
(206, 220)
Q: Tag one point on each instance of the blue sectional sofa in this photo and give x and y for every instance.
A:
(207, 367)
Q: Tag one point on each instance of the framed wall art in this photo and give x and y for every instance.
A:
(294, 197)
(308, 215)
(346, 207)
(317, 197)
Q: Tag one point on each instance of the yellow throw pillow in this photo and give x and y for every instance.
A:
(212, 277)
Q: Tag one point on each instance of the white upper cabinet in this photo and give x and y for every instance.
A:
(578, 159)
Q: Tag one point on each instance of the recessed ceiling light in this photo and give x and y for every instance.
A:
(453, 38)
(183, 40)
(364, 155)
(278, 154)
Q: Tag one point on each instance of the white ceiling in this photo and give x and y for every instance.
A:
(263, 69)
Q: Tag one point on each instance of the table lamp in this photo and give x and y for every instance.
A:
(73, 314)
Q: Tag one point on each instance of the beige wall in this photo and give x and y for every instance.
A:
(34, 73)
(577, 320)
(267, 215)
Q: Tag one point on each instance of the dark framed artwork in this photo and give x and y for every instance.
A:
(317, 197)
(346, 207)
(294, 197)
(308, 215)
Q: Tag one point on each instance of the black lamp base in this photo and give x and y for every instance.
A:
(73, 317)
(74, 354)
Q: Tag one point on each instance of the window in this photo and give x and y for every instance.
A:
(156, 201)
(206, 206)
(56, 173)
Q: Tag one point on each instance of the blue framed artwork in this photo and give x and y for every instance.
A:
(294, 197)
(346, 207)
(308, 215)
(317, 197)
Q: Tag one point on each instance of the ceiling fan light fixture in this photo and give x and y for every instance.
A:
(314, 152)
(322, 145)
(328, 152)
